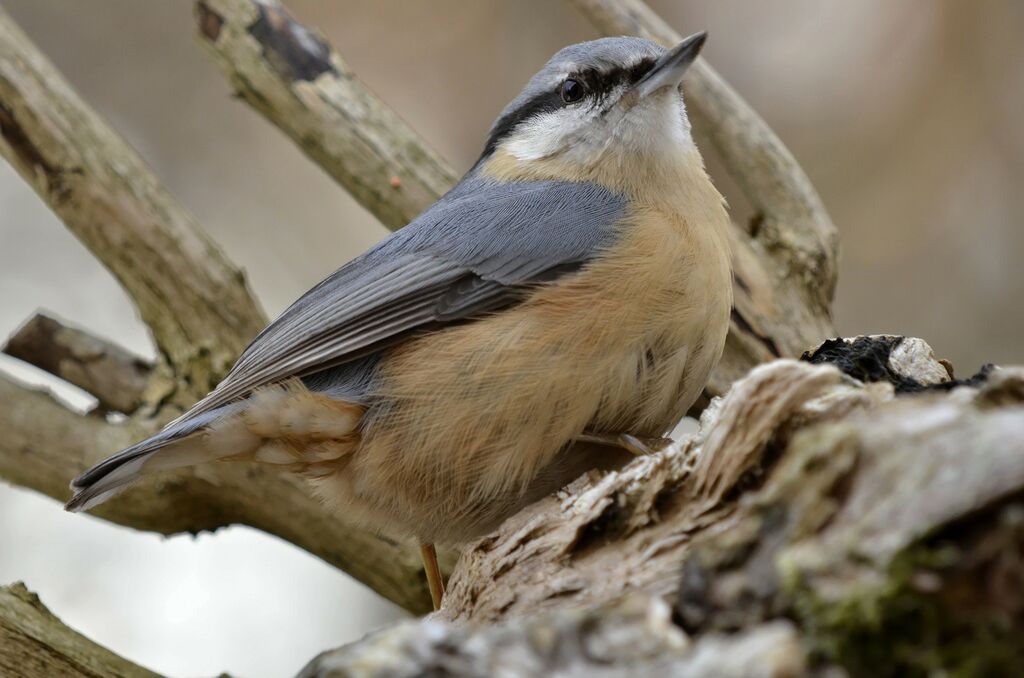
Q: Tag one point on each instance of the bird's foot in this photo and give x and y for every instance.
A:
(435, 581)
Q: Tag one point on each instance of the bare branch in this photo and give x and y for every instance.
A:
(196, 304)
(292, 76)
(35, 644)
(201, 315)
(793, 226)
(117, 378)
(44, 445)
(194, 301)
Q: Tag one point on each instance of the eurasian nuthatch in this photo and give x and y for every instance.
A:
(574, 285)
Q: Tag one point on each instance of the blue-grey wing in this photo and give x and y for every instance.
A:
(472, 252)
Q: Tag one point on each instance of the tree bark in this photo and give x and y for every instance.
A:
(880, 534)
(294, 78)
(201, 314)
(44, 445)
(814, 520)
(300, 83)
(33, 642)
(630, 637)
(103, 369)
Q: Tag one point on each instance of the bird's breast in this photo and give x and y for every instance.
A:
(658, 314)
(467, 421)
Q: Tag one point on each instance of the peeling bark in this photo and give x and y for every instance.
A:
(114, 376)
(884, 534)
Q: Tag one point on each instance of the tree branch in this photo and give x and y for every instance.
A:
(194, 301)
(793, 227)
(292, 76)
(45, 445)
(34, 643)
(114, 376)
(201, 315)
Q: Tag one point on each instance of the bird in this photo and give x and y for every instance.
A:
(564, 302)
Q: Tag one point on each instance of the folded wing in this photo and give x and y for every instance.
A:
(475, 251)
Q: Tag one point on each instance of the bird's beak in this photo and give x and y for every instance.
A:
(669, 69)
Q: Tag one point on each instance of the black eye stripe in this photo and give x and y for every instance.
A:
(602, 82)
(542, 103)
(598, 84)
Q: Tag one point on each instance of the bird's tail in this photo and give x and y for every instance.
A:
(285, 426)
(176, 446)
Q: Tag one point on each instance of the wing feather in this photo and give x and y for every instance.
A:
(473, 252)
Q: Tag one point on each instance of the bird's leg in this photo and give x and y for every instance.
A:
(434, 580)
(628, 442)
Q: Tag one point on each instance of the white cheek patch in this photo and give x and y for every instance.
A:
(657, 125)
(548, 133)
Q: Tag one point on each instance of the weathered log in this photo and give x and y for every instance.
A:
(888, 530)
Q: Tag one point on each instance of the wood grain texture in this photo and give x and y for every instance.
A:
(36, 644)
(606, 534)
(878, 535)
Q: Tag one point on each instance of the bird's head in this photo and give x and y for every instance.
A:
(595, 108)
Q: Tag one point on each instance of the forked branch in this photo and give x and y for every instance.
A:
(194, 301)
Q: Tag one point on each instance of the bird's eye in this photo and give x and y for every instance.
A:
(573, 91)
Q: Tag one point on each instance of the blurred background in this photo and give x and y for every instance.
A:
(906, 116)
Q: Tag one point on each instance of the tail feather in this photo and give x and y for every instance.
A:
(178, 445)
(119, 472)
(286, 425)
